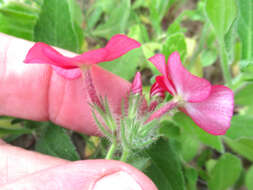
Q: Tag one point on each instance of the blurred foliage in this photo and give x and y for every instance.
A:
(210, 35)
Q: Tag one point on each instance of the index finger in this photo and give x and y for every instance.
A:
(36, 92)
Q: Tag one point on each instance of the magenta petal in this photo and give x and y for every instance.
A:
(43, 53)
(157, 90)
(213, 114)
(92, 56)
(166, 84)
(161, 111)
(159, 61)
(67, 73)
(137, 84)
(119, 45)
(190, 87)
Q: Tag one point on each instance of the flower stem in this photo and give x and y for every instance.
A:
(124, 155)
(111, 150)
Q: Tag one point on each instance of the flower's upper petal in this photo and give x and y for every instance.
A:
(43, 53)
(91, 57)
(67, 73)
(213, 114)
(160, 63)
(190, 87)
(119, 45)
(137, 84)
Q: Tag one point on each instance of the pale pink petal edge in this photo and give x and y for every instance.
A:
(215, 113)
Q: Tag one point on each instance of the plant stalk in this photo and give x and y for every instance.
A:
(111, 150)
(124, 155)
(225, 63)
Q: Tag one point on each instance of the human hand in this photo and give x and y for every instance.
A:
(36, 92)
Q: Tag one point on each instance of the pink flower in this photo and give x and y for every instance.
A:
(136, 87)
(210, 107)
(68, 67)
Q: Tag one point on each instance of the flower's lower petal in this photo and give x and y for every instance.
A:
(67, 73)
(119, 45)
(213, 114)
(190, 87)
(161, 111)
(45, 54)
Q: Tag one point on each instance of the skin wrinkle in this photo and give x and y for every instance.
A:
(54, 115)
(49, 84)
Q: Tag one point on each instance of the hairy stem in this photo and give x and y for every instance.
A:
(124, 155)
(111, 150)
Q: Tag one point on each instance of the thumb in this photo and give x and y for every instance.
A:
(88, 174)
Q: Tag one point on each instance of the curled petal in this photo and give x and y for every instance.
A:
(157, 90)
(166, 84)
(213, 114)
(137, 84)
(117, 46)
(190, 87)
(43, 53)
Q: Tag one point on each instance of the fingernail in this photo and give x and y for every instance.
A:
(120, 180)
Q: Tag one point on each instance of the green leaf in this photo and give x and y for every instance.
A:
(175, 42)
(7, 127)
(249, 177)
(221, 14)
(242, 146)
(230, 38)
(165, 169)
(244, 98)
(191, 178)
(19, 18)
(225, 172)
(57, 26)
(190, 148)
(126, 65)
(116, 21)
(56, 142)
(190, 128)
(4, 131)
(241, 126)
(208, 57)
(139, 33)
(169, 129)
(76, 12)
(245, 28)
(158, 9)
(149, 50)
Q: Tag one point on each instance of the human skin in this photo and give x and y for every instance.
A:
(36, 92)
